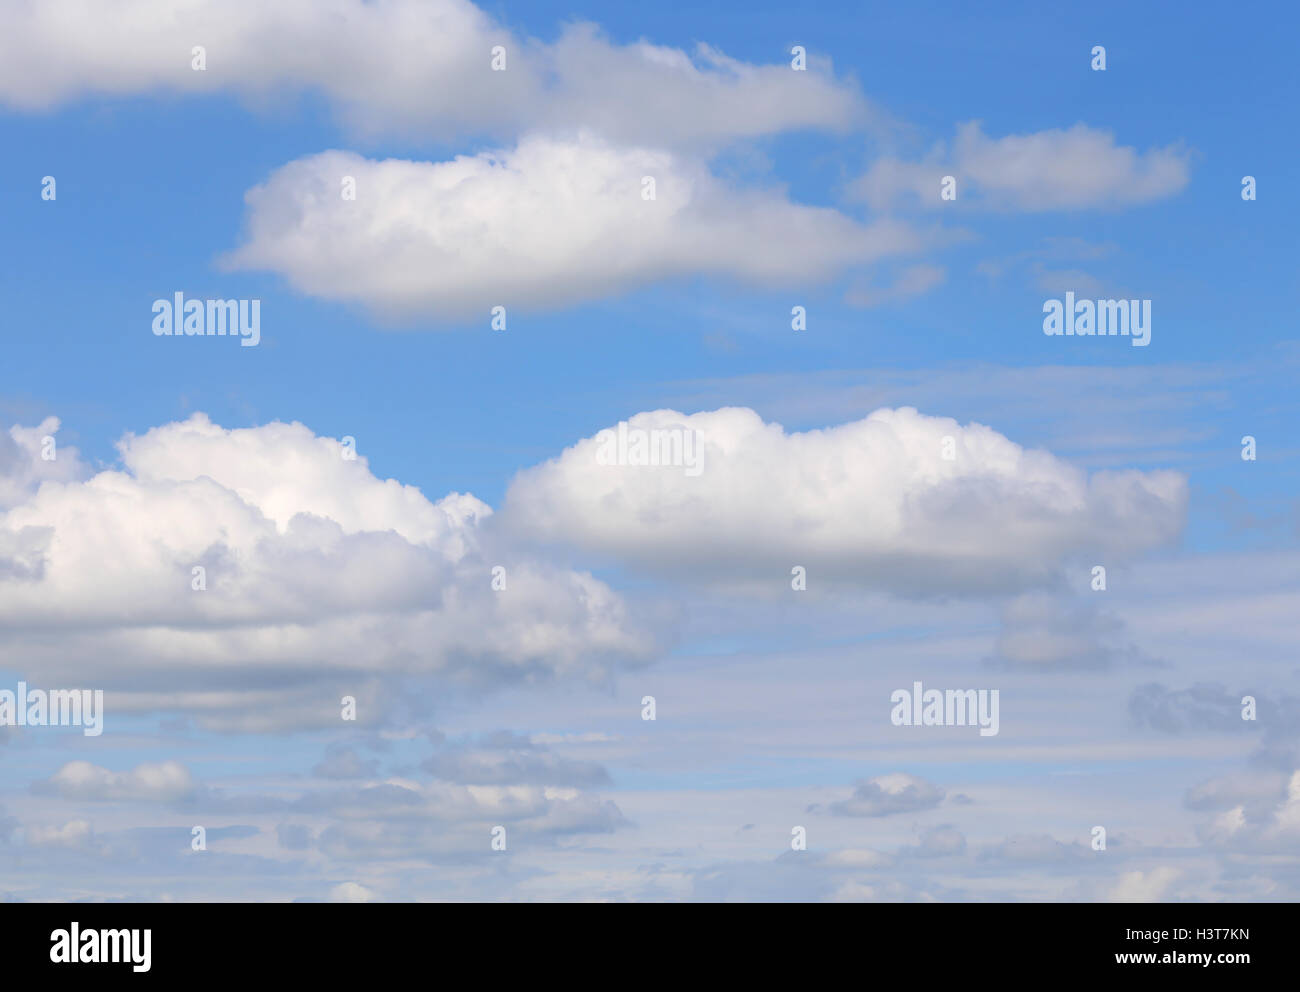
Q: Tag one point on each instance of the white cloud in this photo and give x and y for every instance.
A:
(1258, 827)
(548, 223)
(1286, 818)
(74, 834)
(874, 501)
(164, 781)
(1058, 169)
(1150, 886)
(1226, 825)
(27, 460)
(419, 67)
(321, 580)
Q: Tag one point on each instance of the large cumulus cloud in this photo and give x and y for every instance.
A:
(875, 501)
(321, 580)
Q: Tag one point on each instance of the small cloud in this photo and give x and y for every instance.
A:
(351, 892)
(1058, 169)
(75, 834)
(1150, 886)
(887, 795)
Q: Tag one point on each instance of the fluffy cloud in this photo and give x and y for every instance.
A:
(872, 501)
(1059, 169)
(74, 834)
(321, 580)
(886, 795)
(547, 223)
(411, 66)
(27, 460)
(165, 781)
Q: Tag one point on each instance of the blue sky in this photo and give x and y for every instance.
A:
(779, 700)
